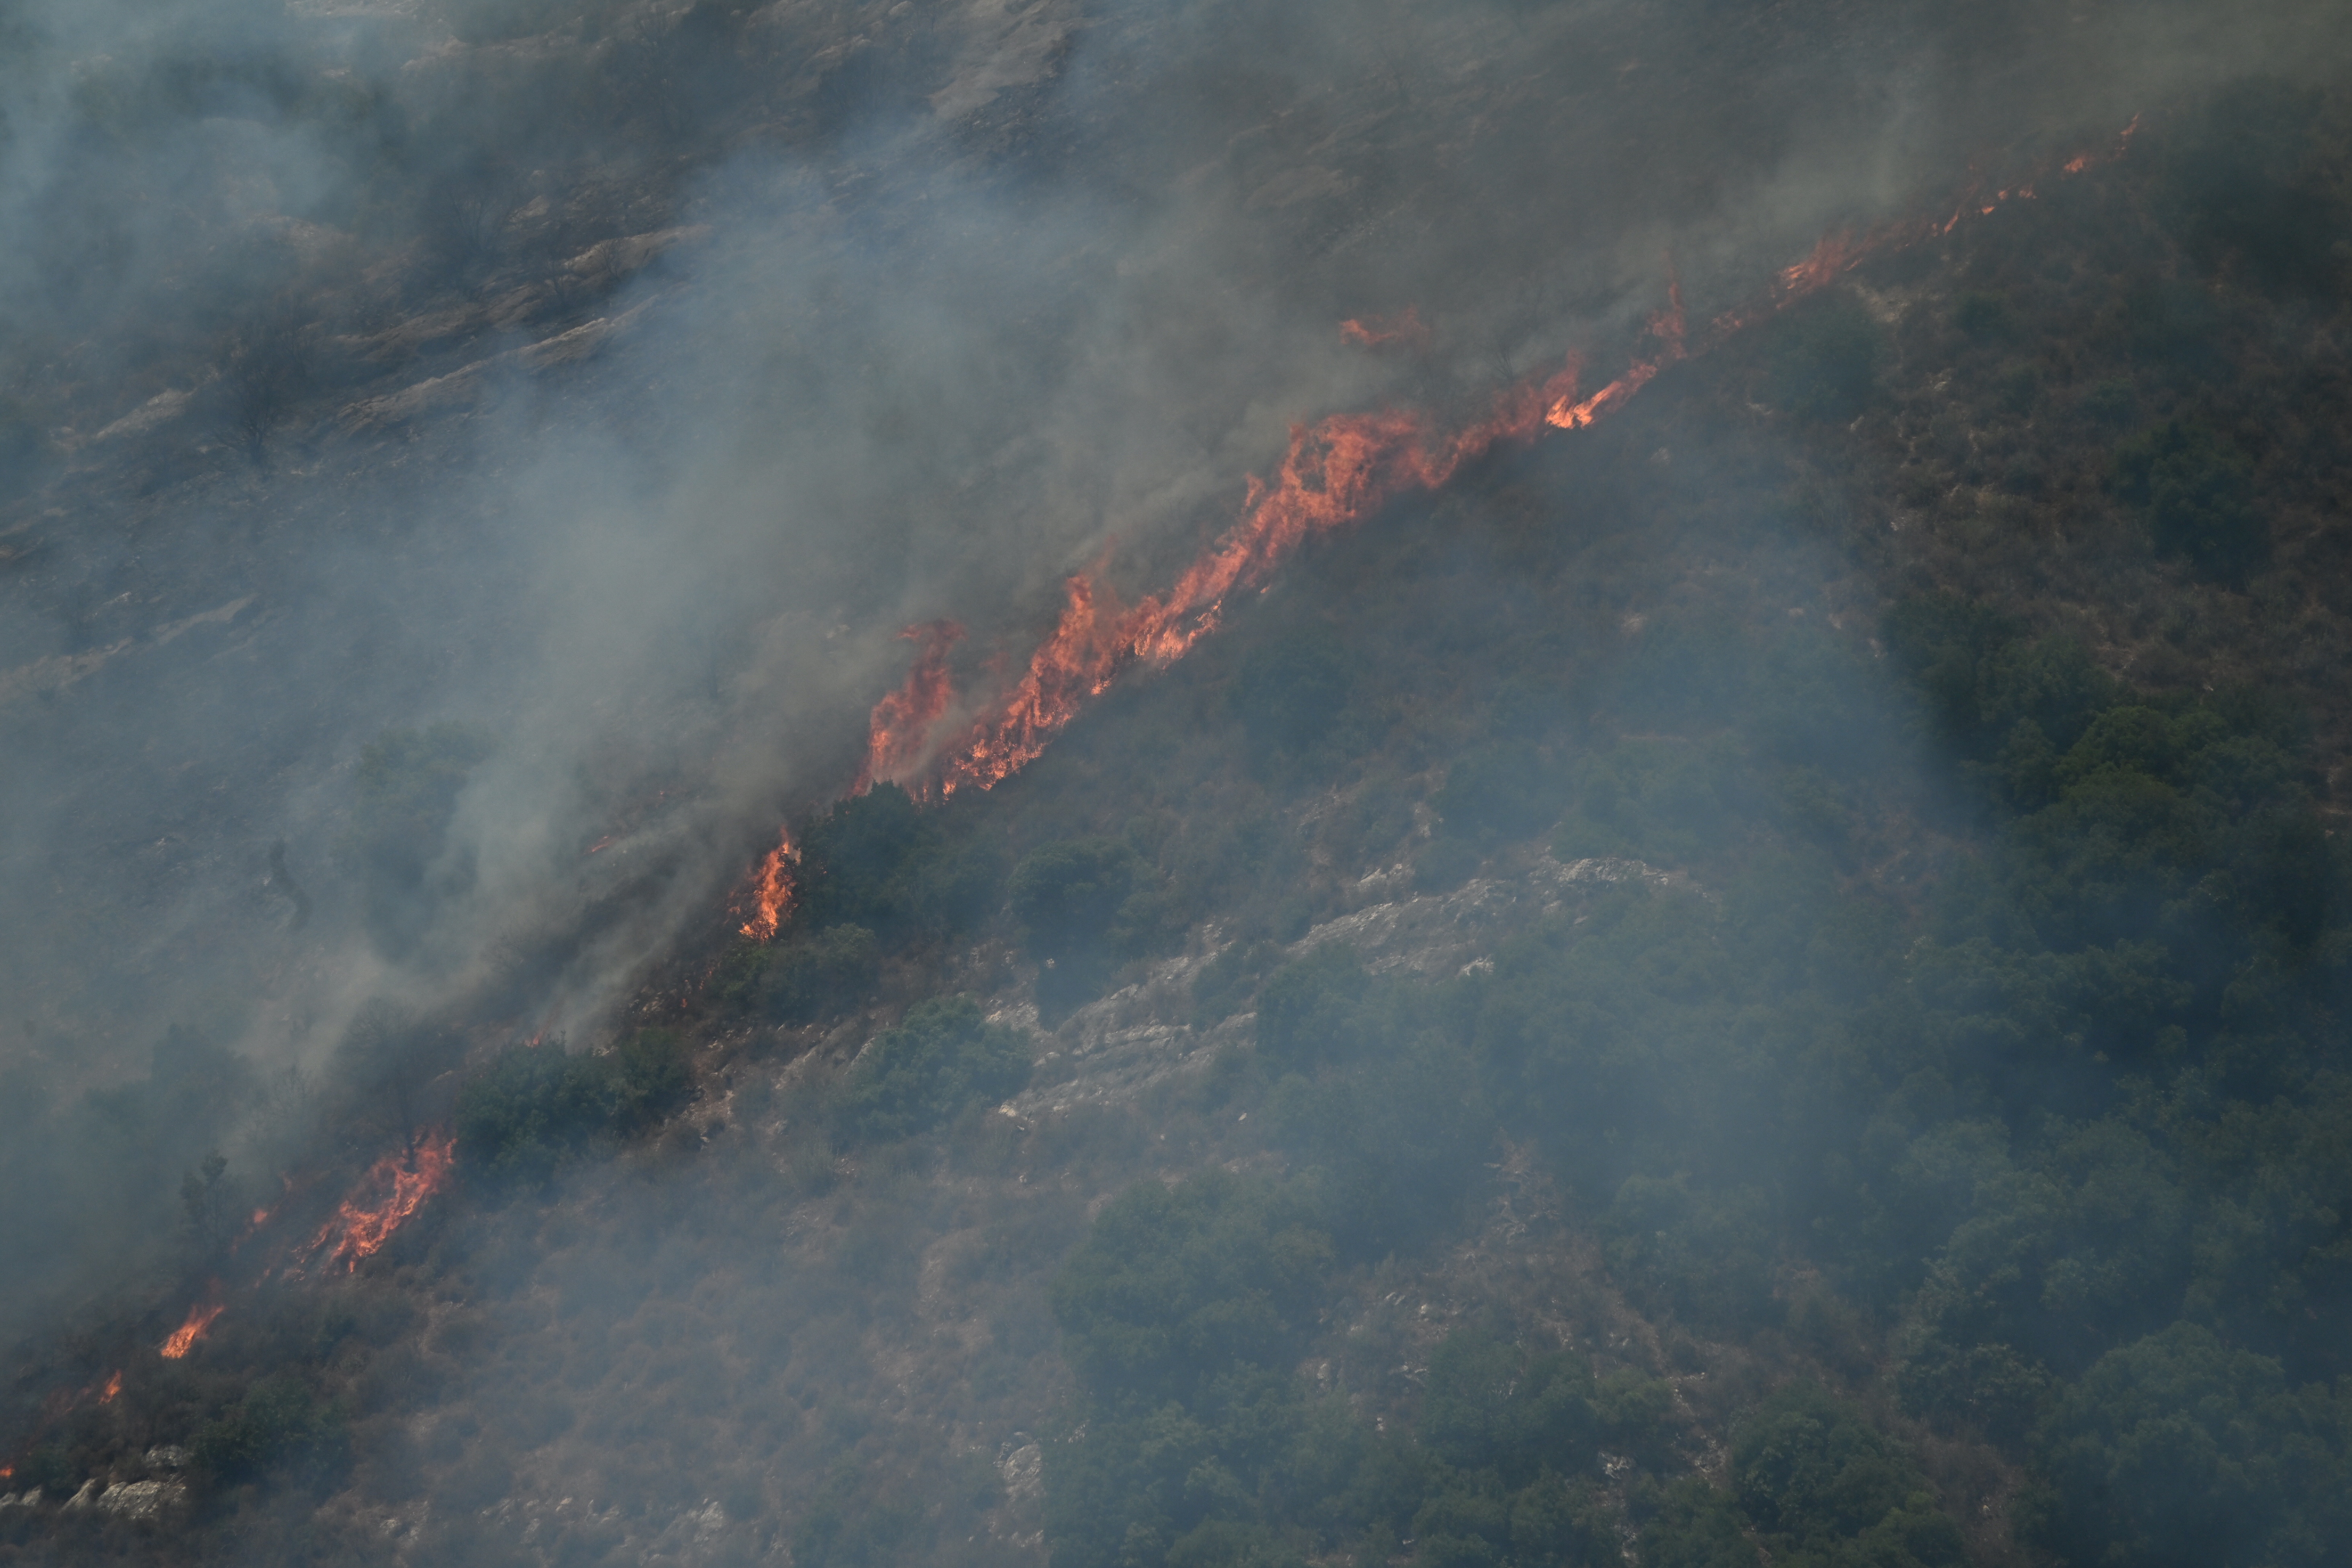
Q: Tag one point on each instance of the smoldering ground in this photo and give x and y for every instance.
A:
(342, 423)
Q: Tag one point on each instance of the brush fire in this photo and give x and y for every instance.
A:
(771, 893)
(391, 1193)
(1336, 473)
(184, 1338)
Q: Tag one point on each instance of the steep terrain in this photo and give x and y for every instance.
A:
(1756, 977)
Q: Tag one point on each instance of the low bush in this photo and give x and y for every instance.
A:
(2196, 488)
(534, 1107)
(943, 1059)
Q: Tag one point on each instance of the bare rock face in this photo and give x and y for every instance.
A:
(141, 1500)
(1118, 1045)
(1023, 1469)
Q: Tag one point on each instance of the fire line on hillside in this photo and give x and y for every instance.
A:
(1336, 473)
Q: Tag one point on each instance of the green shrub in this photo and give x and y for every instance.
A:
(1690, 1524)
(821, 973)
(1083, 905)
(1067, 896)
(2178, 1450)
(1224, 985)
(879, 861)
(1984, 316)
(1387, 1139)
(279, 1423)
(942, 1059)
(1175, 1285)
(2242, 184)
(534, 1107)
(1288, 695)
(1444, 864)
(1490, 1405)
(2196, 488)
(1503, 790)
(1703, 1254)
(1822, 1485)
(1314, 1005)
(2110, 401)
(1823, 359)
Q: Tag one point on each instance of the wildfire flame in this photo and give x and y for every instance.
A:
(184, 1337)
(902, 721)
(772, 890)
(392, 1192)
(114, 1387)
(1337, 472)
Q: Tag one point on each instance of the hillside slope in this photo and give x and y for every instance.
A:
(1762, 976)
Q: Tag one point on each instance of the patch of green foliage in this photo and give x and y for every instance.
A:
(2196, 488)
(2179, 1449)
(1823, 359)
(1501, 790)
(280, 1425)
(533, 1107)
(1289, 697)
(2038, 1135)
(1182, 1313)
(1083, 905)
(1373, 1098)
(1825, 1489)
(943, 1059)
(806, 975)
(880, 862)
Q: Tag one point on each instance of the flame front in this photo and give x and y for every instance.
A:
(114, 1387)
(184, 1337)
(1337, 472)
(772, 891)
(394, 1188)
(898, 731)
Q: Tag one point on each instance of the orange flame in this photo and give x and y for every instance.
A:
(1378, 332)
(114, 1387)
(901, 722)
(1337, 472)
(1668, 328)
(772, 890)
(392, 1192)
(184, 1337)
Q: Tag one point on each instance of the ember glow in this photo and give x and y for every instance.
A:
(392, 1192)
(772, 890)
(114, 1386)
(184, 1337)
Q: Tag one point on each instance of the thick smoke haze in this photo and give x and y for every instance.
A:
(615, 383)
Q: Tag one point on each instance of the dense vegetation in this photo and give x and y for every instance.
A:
(1944, 1130)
